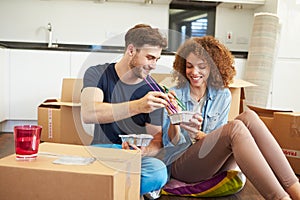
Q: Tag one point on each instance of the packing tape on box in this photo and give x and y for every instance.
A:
(128, 181)
(50, 128)
(295, 127)
(291, 153)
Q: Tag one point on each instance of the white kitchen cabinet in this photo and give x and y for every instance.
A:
(4, 84)
(80, 61)
(35, 76)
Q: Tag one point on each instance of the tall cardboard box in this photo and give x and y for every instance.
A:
(115, 175)
(61, 118)
(286, 130)
(236, 89)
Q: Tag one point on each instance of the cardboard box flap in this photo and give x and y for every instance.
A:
(164, 79)
(60, 103)
(238, 83)
(50, 103)
(158, 77)
(168, 82)
(289, 113)
(71, 89)
(264, 112)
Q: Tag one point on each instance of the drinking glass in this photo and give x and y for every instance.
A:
(27, 140)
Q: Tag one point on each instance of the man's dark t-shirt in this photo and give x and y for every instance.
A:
(115, 91)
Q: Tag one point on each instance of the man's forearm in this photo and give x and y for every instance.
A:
(101, 112)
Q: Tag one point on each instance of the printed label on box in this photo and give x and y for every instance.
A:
(291, 153)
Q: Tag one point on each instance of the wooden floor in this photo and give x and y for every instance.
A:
(248, 193)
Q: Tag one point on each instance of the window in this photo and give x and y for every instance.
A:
(199, 27)
(190, 19)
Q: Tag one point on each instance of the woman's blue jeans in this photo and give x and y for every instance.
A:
(153, 171)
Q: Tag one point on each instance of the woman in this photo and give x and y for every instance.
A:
(203, 69)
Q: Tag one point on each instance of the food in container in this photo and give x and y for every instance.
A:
(137, 139)
(183, 116)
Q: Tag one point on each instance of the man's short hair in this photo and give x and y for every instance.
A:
(142, 34)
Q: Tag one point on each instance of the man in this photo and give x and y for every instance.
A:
(117, 99)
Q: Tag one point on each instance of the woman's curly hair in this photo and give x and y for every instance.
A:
(217, 56)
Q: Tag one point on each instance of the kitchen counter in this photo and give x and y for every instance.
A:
(83, 48)
(60, 47)
(66, 47)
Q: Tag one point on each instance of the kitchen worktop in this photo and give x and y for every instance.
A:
(60, 46)
(66, 47)
(83, 48)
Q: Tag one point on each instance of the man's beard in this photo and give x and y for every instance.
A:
(137, 70)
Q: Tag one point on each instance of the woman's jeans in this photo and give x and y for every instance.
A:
(153, 171)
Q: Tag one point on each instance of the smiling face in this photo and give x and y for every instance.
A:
(144, 60)
(197, 70)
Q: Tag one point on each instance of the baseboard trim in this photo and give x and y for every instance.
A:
(8, 125)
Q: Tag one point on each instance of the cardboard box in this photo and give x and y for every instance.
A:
(236, 89)
(61, 119)
(286, 130)
(266, 115)
(285, 127)
(114, 175)
(238, 97)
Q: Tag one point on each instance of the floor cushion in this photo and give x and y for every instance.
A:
(223, 184)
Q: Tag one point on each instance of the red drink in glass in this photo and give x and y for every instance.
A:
(27, 140)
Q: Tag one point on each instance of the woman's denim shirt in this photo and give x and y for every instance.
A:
(214, 112)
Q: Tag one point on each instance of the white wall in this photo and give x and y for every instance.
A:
(238, 22)
(286, 81)
(73, 21)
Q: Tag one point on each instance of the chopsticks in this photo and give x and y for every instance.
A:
(178, 101)
(171, 107)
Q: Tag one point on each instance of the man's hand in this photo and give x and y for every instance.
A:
(152, 101)
(127, 146)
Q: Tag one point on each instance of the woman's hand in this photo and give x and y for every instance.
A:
(193, 127)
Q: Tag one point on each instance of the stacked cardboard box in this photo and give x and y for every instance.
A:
(61, 119)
